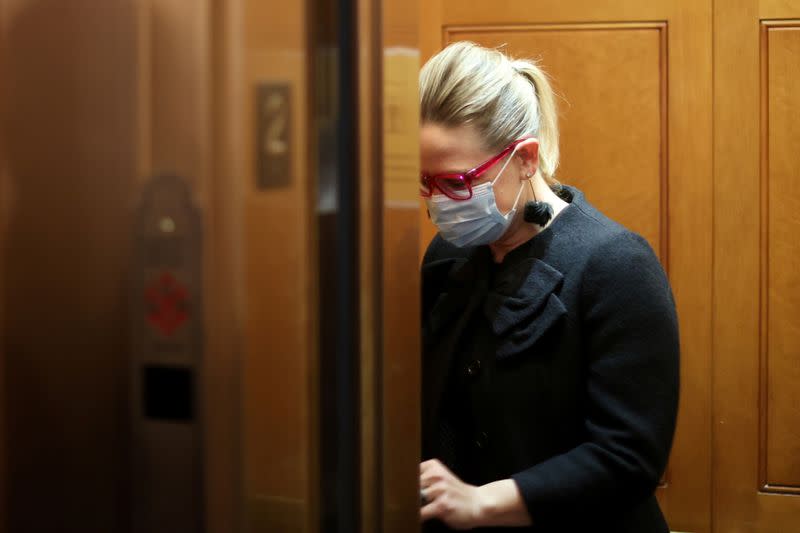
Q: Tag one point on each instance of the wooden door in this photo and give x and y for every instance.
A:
(635, 80)
(756, 446)
(67, 188)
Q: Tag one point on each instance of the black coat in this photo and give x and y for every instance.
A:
(578, 401)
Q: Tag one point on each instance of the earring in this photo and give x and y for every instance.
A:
(537, 212)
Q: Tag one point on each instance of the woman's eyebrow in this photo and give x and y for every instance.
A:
(452, 159)
(451, 169)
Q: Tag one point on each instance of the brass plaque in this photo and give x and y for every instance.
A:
(274, 120)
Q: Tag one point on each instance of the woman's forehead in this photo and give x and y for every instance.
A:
(445, 148)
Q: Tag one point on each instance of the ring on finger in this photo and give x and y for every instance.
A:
(423, 496)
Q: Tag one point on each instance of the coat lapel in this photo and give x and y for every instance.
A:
(521, 313)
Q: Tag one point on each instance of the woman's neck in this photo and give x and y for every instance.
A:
(520, 232)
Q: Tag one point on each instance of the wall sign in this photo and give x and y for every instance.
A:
(273, 154)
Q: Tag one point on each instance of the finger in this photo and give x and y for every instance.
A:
(430, 495)
(426, 465)
(429, 511)
(434, 473)
(436, 490)
(438, 466)
(429, 478)
(427, 469)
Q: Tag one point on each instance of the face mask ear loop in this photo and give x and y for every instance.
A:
(521, 186)
(519, 193)
(514, 151)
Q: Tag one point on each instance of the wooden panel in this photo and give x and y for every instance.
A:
(5, 207)
(401, 378)
(272, 25)
(556, 11)
(277, 343)
(612, 83)
(5, 215)
(225, 290)
(736, 267)
(276, 514)
(174, 96)
(777, 9)
(180, 78)
(68, 97)
(780, 395)
(280, 338)
(370, 136)
(755, 371)
(401, 342)
(400, 23)
(675, 99)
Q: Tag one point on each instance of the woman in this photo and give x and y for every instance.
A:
(550, 362)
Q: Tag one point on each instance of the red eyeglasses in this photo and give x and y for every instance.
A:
(458, 185)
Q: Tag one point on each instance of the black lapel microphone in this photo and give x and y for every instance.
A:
(537, 212)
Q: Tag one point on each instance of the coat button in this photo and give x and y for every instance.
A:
(482, 440)
(473, 369)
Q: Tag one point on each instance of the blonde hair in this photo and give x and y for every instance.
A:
(502, 97)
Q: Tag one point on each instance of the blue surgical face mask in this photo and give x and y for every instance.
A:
(472, 222)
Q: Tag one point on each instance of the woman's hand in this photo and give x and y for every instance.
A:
(464, 506)
(449, 499)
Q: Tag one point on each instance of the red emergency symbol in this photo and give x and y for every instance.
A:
(166, 303)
